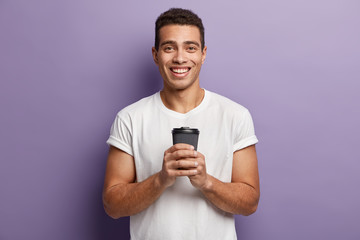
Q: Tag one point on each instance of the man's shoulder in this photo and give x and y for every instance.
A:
(226, 103)
(139, 106)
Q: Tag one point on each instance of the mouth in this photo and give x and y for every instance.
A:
(180, 70)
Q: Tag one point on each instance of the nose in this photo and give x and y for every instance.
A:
(180, 57)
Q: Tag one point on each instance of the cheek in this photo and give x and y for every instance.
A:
(164, 58)
(199, 62)
(199, 59)
(161, 64)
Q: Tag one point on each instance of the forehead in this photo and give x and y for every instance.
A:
(179, 33)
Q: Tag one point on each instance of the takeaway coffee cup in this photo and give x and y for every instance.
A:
(186, 135)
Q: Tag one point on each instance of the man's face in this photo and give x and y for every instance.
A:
(179, 56)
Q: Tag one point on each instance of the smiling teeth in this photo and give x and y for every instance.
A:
(181, 70)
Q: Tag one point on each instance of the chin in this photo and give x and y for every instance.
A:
(180, 87)
(177, 85)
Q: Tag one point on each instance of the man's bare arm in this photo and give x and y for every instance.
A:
(122, 196)
(241, 196)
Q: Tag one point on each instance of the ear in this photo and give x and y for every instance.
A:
(154, 54)
(203, 55)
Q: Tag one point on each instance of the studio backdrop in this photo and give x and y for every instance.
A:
(67, 67)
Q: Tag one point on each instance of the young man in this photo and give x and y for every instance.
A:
(175, 192)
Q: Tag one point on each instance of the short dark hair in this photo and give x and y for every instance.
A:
(178, 16)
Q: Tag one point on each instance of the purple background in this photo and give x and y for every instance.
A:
(67, 67)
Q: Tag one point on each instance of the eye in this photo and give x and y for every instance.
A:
(192, 48)
(168, 48)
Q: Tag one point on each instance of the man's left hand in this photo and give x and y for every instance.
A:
(200, 180)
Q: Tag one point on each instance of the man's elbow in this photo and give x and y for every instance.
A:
(250, 210)
(109, 208)
(252, 206)
(111, 213)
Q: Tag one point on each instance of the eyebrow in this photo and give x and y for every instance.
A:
(167, 42)
(186, 42)
(192, 42)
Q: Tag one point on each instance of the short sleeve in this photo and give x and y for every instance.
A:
(120, 135)
(245, 132)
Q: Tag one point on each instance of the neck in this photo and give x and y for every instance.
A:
(182, 101)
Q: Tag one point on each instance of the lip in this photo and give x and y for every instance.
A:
(180, 75)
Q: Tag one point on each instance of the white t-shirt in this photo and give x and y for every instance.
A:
(143, 130)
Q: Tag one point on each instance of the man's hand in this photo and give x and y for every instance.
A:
(200, 180)
(179, 160)
(241, 195)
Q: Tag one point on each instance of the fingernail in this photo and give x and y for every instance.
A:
(196, 164)
(194, 171)
(191, 147)
(195, 153)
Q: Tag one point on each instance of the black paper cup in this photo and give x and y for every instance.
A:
(186, 135)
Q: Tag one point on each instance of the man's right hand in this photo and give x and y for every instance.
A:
(179, 160)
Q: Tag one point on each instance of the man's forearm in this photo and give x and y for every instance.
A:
(235, 198)
(125, 199)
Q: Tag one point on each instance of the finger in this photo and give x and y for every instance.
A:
(200, 160)
(201, 165)
(184, 172)
(200, 155)
(180, 146)
(184, 164)
(180, 154)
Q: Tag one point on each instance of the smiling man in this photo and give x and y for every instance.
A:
(172, 191)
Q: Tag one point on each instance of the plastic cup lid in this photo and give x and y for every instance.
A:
(186, 130)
